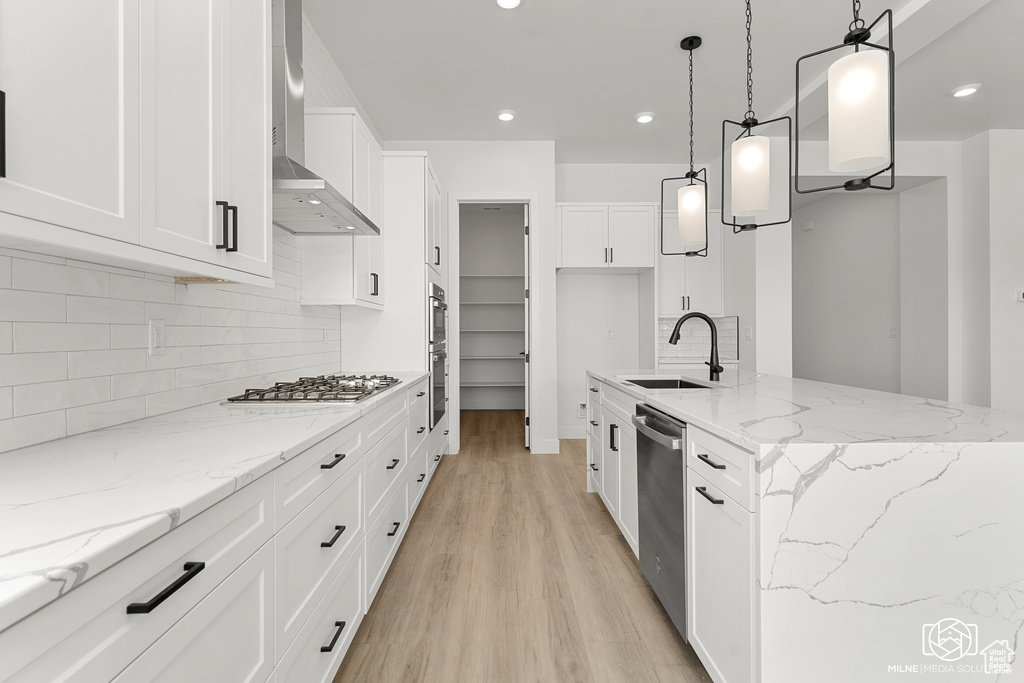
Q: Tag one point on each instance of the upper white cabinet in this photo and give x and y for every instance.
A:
(436, 243)
(345, 269)
(607, 235)
(206, 122)
(691, 283)
(72, 114)
(123, 136)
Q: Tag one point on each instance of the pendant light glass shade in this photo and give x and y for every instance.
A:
(858, 112)
(693, 226)
(751, 177)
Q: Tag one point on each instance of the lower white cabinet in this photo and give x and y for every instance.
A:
(720, 595)
(629, 514)
(227, 638)
(320, 646)
(610, 437)
(382, 539)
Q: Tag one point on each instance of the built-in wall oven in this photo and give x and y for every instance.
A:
(437, 314)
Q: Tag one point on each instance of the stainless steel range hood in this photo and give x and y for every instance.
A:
(304, 203)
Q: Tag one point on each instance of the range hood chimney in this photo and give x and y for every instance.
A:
(304, 203)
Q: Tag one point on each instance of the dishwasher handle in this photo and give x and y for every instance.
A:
(640, 422)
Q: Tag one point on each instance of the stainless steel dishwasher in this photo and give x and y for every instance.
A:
(660, 442)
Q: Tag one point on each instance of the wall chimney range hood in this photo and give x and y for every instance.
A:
(304, 203)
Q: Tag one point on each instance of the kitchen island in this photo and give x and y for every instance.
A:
(884, 530)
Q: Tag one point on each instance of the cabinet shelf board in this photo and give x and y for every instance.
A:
(494, 303)
(492, 384)
(496, 276)
(517, 357)
(489, 331)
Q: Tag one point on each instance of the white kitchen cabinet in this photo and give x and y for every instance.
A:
(721, 590)
(607, 235)
(72, 114)
(205, 121)
(226, 638)
(611, 437)
(345, 270)
(629, 515)
(613, 440)
(691, 283)
(435, 256)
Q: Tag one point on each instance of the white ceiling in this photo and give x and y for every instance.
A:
(578, 71)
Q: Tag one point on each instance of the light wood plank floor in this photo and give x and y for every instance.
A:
(511, 571)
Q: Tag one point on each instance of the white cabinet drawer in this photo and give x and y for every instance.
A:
(87, 635)
(385, 465)
(227, 638)
(620, 404)
(418, 478)
(312, 548)
(725, 465)
(434, 458)
(382, 539)
(299, 481)
(338, 614)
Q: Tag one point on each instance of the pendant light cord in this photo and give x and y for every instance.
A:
(857, 21)
(750, 67)
(691, 111)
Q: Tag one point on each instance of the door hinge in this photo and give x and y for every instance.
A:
(527, 294)
(527, 358)
(527, 229)
(527, 422)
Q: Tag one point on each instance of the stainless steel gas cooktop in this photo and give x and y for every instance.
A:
(322, 389)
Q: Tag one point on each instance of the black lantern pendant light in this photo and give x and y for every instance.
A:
(692, 195)
(755, 177)
(861, 109)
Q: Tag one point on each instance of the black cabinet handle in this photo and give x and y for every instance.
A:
(702, 490)
(340, 529)
(446, 432)
(708, 461)
(422, 393)
(611, 438)
(224, 222)
(606, 254)
(334, 640)
(437, 256)
(3, 134)
(437, 457)
(593, 423)
(594, 389)
(376, 284)
(611, 253)
(421, 430)
(422, 477)
(394, 464)
(593, 467)
(234, 229)
(332, 464)
(395, 530)
(192, 569)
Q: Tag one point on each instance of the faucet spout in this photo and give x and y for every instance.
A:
(716, 369)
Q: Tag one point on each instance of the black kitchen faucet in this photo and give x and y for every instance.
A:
(716, 369)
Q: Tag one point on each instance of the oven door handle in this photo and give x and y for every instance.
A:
(640, 422)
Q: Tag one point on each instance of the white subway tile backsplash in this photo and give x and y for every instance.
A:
(40, 337)
(30, 399)
(85, 309)
(141, 289)
(19, 305)
(57, 277)
(100, 415)
(85, 365)
(106, 362)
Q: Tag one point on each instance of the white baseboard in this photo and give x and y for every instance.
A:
(572, 432)
(495, 404)
(545, 446)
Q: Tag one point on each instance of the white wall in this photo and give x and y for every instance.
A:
(1006, 230)
(509, 171)
(846, 291)
(589, 307)
(923, 284)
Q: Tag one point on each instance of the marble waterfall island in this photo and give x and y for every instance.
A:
(889, 529)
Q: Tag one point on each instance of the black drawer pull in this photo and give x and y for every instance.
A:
(593, 423)
(421, 430)
(224, 222)
(340, 528)
(395, 530)
(593, 389)
(446, 432)
(422, 393)
(422, 477)
(708, 461)
(394, 464)
(437, 256)
(234, 229)
(593, 467)
(337, 458)
(702, 490)
(3, 134)
(192, 569)
(334, 640)
(437, 457)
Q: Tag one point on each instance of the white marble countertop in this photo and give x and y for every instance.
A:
(73, 507)
(756, 410)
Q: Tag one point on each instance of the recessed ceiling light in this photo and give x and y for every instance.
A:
(314, 201)
(645, 117)
(508, 4)
(965, 90)
(506, 115)
(350, 227)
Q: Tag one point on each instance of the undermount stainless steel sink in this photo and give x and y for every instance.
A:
(665, 383)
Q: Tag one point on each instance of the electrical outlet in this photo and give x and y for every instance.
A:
(690, 332)
(750, 333)
(894, 333)
(157, 338)
(581, 411)
(610, 335)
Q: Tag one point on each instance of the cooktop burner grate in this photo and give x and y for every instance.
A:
(322, 389)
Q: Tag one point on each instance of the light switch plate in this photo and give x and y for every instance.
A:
(157, 337)
(581, 411)
(1020, 296)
